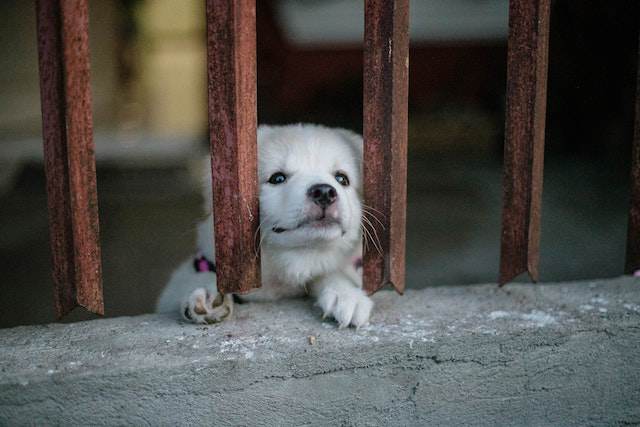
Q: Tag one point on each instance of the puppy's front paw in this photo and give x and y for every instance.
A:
(347, 305)
(203, 307)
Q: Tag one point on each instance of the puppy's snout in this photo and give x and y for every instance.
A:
(322, 195)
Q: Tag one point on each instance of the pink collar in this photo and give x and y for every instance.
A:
(201, 264)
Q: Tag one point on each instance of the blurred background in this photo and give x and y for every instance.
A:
(149, 107)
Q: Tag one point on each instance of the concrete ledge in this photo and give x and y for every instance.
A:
(555, 354)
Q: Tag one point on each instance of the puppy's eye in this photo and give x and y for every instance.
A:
(342, 179)
(277, 178)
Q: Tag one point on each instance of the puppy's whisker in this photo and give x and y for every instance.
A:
(376, 243)
(364, 232)
(369, 236)
(376, 238)
(262, 237)
(259, 228)
(255, 236)
(364, 237)
(367, 239)
(374, 210)
(373, 216)
(365, 229)
(365, 213)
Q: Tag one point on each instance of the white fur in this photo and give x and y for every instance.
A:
(316, 256)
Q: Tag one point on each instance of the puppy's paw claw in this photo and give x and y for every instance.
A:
(203, 307)
(349, 307)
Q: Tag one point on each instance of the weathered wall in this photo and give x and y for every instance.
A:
(565, 354)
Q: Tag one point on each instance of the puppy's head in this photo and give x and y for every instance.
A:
(310, 185)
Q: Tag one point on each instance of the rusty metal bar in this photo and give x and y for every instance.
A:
(632, 262)
(527, 60)
(63, 48)
(231, 65)
(386, 71)
(55, 155)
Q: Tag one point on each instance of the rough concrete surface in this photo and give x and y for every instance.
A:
(551, 354)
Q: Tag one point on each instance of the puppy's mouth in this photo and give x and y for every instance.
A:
(313, 223)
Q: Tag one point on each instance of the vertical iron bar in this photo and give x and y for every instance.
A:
(80, 151)
(386, 70)
(63, 48)
(632, 262)
(527, 61)
(55, 154)
(231, 65)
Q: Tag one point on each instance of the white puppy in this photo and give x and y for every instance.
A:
(310, 213)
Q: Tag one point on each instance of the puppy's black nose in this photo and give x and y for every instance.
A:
(322, 195)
